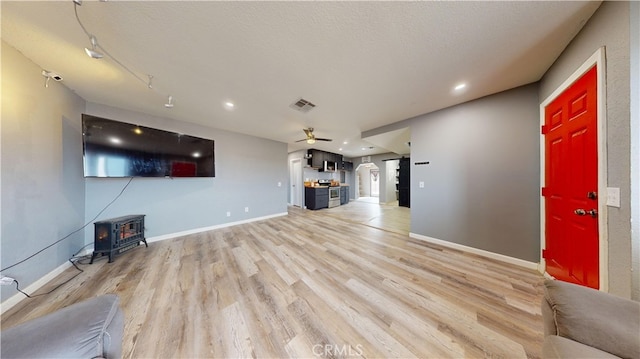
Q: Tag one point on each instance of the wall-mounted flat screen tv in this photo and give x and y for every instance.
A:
(119, 149)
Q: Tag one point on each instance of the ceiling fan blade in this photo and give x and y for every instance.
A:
(323, 139)
(304, 139)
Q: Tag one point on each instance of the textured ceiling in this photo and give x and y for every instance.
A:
(363, 64)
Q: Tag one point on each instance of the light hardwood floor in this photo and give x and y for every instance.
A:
(314, 283)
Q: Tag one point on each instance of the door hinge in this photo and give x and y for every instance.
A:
(544, 253)
(544, 129)
(544, 192)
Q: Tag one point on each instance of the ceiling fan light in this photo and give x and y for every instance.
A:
(311, 141)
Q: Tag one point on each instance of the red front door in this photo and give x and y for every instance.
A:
(571, 183)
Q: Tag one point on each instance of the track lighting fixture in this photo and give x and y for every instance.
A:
(97, 52)
(170, 103)
(92, 52)
(95, 46)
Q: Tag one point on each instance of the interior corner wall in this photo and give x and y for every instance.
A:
(251, 173)
(481, 186)
(608, 27)
(634, 46)
(42, 186)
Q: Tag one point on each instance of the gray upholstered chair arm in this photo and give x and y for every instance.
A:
(594, 318)
(89, 329)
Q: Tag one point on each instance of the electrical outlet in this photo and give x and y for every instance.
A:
(246, 209)
(6, 280)
(228, 214)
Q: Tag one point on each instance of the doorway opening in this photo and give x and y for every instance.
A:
(368, 183)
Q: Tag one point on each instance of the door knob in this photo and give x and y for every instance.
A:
(581, 212)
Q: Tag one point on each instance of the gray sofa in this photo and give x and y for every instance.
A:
(581, 322)
(88, 329)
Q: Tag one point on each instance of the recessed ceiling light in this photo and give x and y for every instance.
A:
(340, 149)
(460, 86)
(196, 154)
(345, 142)
(115, 140)
(229, 105)
(137, 131)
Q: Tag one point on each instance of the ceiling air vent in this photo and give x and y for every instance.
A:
(302, 105)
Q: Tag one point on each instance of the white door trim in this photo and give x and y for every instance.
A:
(297, 182)
(597, 59)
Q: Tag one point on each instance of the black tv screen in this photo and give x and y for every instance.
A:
(119, 149)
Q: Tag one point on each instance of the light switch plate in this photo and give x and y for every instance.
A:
(421, 184)
(613, 197)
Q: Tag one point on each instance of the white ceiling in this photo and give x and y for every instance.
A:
(363, 64)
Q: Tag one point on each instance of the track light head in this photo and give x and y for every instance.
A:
(170, 103)
(93, 53)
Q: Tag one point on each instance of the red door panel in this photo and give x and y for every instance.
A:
(571, 182)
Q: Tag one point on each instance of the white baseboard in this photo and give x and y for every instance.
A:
(480, 252)
(15, 299)
(211, 228)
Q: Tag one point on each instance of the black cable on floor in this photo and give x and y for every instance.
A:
(51, 291)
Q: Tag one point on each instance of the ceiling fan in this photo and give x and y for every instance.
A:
(311, 138)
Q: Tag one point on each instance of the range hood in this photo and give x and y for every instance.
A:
(328, 166)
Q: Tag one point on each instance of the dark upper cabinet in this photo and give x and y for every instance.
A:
(319, 157)
(347, 166)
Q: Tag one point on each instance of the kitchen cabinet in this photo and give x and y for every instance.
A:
(344, 195)
(347, 166)
(319, 157)
(316, 197)
(404, 194)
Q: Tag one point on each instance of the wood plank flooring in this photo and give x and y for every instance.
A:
(310, 284)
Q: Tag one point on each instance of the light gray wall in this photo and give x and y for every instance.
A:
(481, 186)
(248, 170)
(608, 27)
(42, 185)
(634, 46)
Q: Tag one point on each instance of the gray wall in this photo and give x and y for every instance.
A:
(42, 187)
(634, 47)
(248, 170)
(608, 27)
(481, 186)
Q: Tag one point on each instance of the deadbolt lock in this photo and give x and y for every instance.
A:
(581, 212)
(592, 195)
